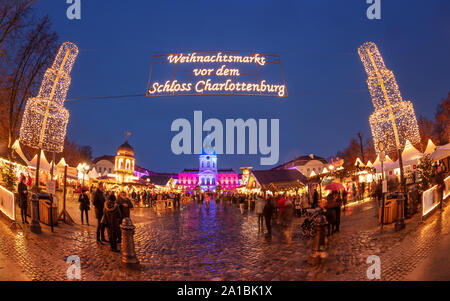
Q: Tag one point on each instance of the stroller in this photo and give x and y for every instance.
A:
(308, 227)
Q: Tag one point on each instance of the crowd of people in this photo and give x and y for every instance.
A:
(281, 209)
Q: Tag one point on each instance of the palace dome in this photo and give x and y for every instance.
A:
(125, 150)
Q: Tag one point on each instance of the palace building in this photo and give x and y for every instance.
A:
(124, 163)
(208, 176)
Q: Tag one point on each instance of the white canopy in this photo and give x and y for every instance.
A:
(410, 154)
(93, 174)
(359, 162)
(62, 163)
(18, 150)
(430, 147)
(441, 152)
(44, 165)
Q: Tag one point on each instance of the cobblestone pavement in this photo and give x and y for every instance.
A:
(400, 252)
(195, 243)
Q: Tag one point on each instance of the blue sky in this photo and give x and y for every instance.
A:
(328, 99)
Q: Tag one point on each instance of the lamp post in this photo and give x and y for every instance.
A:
(382, 159)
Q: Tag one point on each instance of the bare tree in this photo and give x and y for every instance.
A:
(13, 16)
(361, 147)
(34, 54)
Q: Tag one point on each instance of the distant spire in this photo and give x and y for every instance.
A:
(127, 135)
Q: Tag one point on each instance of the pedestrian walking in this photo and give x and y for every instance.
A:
(298, 206)
(242, 204)
(338, 210)
(22, 190)
(83, 199)
(282, 204)
(344, 198)
(99, 203)
(331, 213)
(259, 208)
(267, 213)
(287, 216)
(315, 199)
(112, 221)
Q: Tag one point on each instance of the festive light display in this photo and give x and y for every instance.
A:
(45, 119)
(216, 73)
(394, 120)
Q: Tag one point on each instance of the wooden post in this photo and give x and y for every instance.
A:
(64, 215)
(37, 171)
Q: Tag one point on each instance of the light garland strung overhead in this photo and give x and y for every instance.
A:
(45, 119)
(394, 120)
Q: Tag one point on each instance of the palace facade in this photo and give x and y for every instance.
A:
(208, 176)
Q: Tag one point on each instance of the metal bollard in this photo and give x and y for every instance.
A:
(129, 259)
(35, 225)
(319, 245)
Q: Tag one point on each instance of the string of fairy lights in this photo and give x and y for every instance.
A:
(394, 120)
(45, 119)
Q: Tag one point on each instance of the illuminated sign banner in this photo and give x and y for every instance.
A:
(216, 73)
(7, 203)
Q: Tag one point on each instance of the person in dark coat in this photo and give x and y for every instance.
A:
(99, 202)
(22, 190)
(84, 206)
(268, 212)
(125, 204)
(338, 210)
(331, 213)
(344, 198)
(112, 221)
(315, 203)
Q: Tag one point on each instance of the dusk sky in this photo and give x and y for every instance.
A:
(317, 41)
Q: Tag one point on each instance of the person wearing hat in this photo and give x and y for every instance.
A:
(84, 205)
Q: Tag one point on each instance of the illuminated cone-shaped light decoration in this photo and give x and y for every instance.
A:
(45, 119)
(393, 121)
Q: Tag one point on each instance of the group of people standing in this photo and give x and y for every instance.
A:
(109, 212)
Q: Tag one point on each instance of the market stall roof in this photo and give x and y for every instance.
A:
(16, 147)
(44, 165)
(359, 162)
(431, 147)
(410, 154)
(105, 178)
(93, 174)
(281, 178)
(16, 158)
(377, 161)
(62, 163)
(441, 152)
(160, 180)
